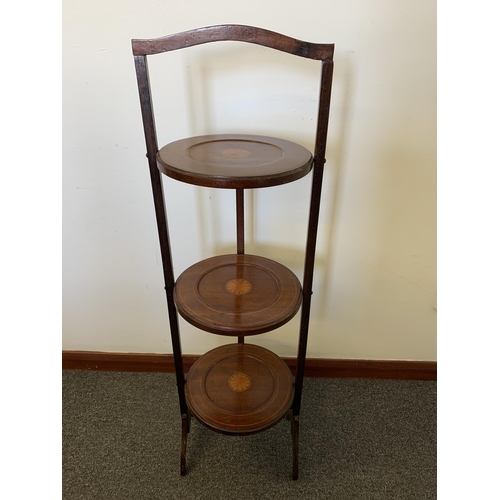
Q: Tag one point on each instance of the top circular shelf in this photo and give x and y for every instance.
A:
(234, 161)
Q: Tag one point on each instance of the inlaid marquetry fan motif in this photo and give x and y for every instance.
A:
(238, 286)
(239, 382)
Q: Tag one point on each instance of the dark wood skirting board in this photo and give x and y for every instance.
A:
(315, 367)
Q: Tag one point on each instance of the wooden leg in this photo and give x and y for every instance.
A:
(295, 439)
(185, 430)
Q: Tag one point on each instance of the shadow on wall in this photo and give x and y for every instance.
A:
(361, 282)
(270, 110)
(340, 126)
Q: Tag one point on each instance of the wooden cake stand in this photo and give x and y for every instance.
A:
(238, 388)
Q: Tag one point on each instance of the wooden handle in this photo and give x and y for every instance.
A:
(233, 32)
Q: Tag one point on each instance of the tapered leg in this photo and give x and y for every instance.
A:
(185, 430)
(295, 439)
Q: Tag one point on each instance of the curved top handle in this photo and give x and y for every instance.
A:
(233, 32)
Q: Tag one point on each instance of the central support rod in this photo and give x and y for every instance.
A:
(240, 231)
(240, 221)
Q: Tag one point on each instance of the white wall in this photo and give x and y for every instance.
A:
(375, 282)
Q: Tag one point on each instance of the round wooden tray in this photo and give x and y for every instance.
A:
(237, 295)
(239, 389)
(234, 161)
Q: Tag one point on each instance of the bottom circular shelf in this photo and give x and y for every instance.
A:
(239, 389)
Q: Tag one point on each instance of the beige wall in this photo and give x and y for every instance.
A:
(375, 284)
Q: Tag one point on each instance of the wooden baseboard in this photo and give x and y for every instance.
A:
(315, 367)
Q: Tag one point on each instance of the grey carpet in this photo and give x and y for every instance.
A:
(359, 439)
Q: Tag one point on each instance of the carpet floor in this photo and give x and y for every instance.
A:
(359, 439)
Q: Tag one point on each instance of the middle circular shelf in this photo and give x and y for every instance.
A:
(237, 295)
